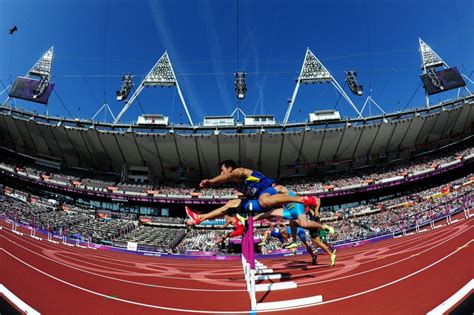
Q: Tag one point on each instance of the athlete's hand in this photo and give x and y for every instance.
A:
(205, 183)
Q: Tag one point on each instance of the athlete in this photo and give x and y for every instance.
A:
(278, 230)
(318, 237)
(281, 232)
(260, 192)
(296, 212)
(238, 228)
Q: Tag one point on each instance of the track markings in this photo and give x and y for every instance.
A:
(110, 297)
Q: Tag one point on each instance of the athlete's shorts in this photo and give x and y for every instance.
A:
(269, 190)
(292, 210)
(277, 234)
(323, 235)
(314, 233)
(253, 205)
(299, 231)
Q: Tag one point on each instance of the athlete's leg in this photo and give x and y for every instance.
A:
(332, 255)
(281, 189)
(317, 242)
(233, 203)
(304, 223)
(198, 218)
(308, 248)
(265, 237)
(272, 213)
(331, 248)
(285, 236)
(293, 226)
(267, 200)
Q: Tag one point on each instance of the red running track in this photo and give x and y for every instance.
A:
(407, 275)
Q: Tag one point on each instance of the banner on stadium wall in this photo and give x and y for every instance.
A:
(407, 204)
(436, 195)
(132, 246)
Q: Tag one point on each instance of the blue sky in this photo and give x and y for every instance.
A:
(96, 41)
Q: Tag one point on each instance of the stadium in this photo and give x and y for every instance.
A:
(97, 215)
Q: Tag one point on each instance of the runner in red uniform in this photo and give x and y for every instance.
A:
(237, 230)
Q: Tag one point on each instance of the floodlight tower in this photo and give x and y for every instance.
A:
(429, 61)
(162, 74)
(42, 68)
(313, 71)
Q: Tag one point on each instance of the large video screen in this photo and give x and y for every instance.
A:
(23, 88)
(449, 79)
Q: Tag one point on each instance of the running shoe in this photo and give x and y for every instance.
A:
(329, 229)
(314, 260)
(333, 258)
(193, 216)
(290, 245)
(309, 201)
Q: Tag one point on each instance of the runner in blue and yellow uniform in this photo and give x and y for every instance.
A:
(261, 195)
(295, 212)
(260, 192)
(281, 232)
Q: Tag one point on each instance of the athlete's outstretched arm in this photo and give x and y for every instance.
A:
(238, 173)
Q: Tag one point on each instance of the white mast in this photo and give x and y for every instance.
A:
(162, 74)
(429, 61)
(313, 71)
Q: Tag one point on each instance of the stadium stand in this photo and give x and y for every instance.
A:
(165, 234)
(108, 183)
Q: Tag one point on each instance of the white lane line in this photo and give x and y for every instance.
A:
(456, 297)
(108, 296)
(25, 308)
(387, 265)
(238, 312)
(381, 286)
(127, 281)
(99, 257)
(114, 261)
(232, 290)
